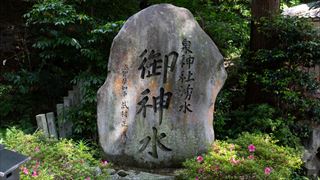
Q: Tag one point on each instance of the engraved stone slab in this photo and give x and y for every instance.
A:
(156, 106)
(42, 123)
(51, 125)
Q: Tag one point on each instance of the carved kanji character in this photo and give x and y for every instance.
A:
(151, 68)
(185, 107)
(186, 45)
(143, 103)
(156, 142)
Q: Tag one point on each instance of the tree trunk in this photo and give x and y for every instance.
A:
(259, 9)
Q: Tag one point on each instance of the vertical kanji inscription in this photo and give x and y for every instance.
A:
(153, 65)
(186, 76)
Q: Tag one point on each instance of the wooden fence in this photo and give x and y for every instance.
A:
(56, 124)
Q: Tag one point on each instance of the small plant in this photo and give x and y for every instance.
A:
(248, 157)
(55, 159)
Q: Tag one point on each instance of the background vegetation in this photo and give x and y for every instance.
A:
(247, 157)
(68, 43)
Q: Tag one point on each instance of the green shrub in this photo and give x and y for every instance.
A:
(226, 22)
(285, 105)
(232, 159)
(54, 159)
(70, 42)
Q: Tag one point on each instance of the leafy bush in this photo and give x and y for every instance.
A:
(53, 159)
(280, 71)
(249, 157)
(261, 118)
(226, 22)
(284, 102)
(68, 43)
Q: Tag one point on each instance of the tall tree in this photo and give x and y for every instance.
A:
(259, 9)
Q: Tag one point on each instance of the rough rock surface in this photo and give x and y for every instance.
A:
(311, 156)
(156, 107)
(137, 175)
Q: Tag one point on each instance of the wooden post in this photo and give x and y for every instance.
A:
(42, 124)
(67, 122)
(51, 125)
(60, 118)
(76, 90)
(71, 96)
(66, 102)
(81, 93)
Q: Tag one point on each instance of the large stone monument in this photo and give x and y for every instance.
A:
(156, 107)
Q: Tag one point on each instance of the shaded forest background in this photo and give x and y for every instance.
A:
(47, 46)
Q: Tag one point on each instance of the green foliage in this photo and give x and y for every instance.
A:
(22, 80)
(228, 25)
(261, 118)
(107, 10)
(49, 11)
(68, 45)
(283, 76)
(70, 36)
(84, 115)
(10, 106)
(287, 103)
(58, 26)
(5, 105)
(232, 159)
(53, 159)
(226, 22)
(28, 93)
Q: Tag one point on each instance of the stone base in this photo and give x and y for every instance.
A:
(137, 174)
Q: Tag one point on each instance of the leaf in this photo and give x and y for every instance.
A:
(75, 43)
